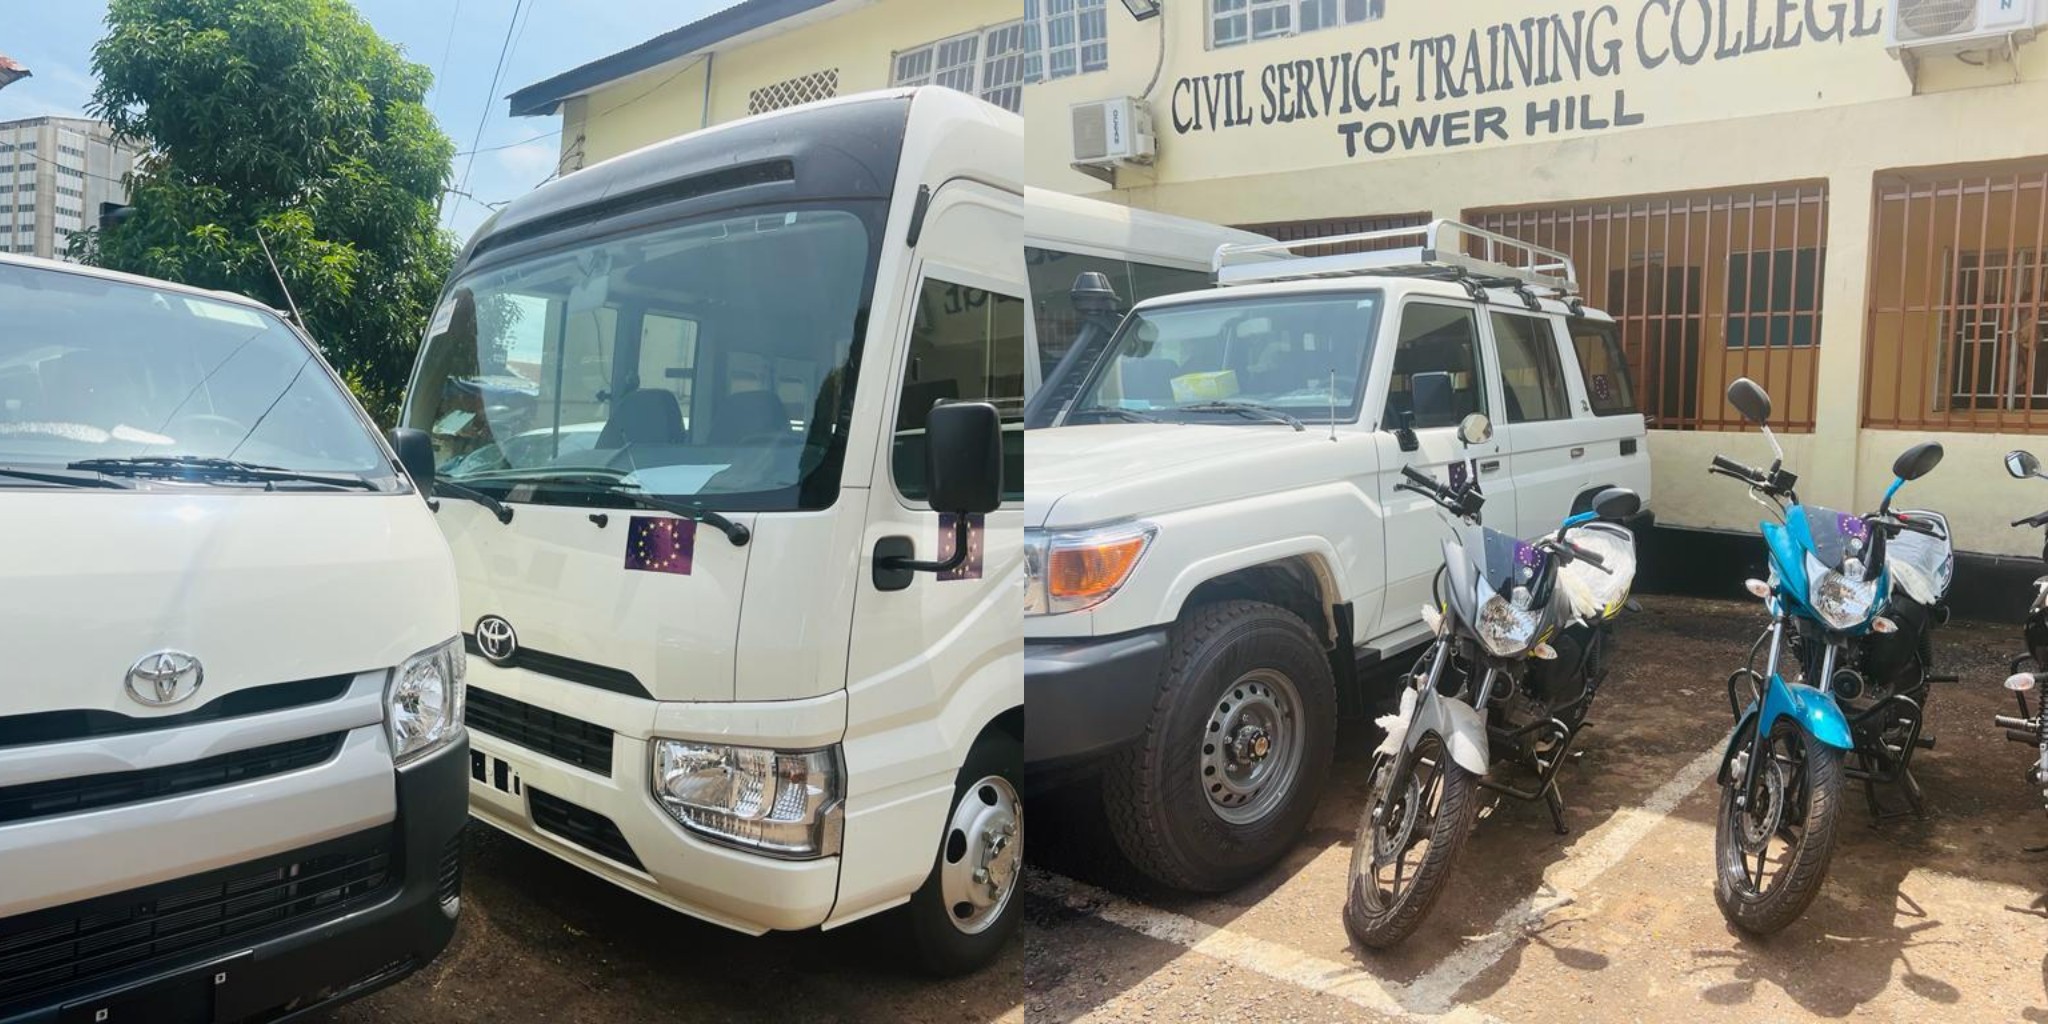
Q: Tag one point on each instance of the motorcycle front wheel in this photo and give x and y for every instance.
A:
(1771, 851)
(1412, 829)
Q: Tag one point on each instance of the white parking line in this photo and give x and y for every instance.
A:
(1429, 997)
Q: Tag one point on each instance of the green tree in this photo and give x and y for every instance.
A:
(295, 119)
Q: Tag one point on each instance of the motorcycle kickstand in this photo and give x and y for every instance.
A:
(1555, 801)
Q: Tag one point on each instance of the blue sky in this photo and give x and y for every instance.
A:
(54, 40)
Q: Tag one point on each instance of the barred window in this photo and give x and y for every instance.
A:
(1234, 22)
(992, 63)
(818, 85)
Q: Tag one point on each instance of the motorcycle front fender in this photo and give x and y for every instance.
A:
(1816, 712)
(1462, 728)
(1738, 741)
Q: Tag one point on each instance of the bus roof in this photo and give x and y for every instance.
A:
(1069, 223)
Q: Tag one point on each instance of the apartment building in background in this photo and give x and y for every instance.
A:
(54, 174)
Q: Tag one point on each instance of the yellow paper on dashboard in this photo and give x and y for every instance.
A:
(1205, 387)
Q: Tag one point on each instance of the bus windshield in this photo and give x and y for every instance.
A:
(706, 360)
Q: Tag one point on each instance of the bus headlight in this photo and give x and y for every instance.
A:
(775, 802)
(423, 702)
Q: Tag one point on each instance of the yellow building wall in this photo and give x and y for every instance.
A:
(1837, 109)
(670, 100)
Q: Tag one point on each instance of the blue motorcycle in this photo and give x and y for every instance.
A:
(1851, 599)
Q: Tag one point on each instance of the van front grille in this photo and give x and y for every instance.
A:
(81, 945)
(94, 792)
(578, 742)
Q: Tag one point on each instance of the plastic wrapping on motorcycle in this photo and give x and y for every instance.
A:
(1923, 565)
(1595, 594)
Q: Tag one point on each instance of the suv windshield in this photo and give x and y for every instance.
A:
(100, 371)
(1296, 355)
(706, 360)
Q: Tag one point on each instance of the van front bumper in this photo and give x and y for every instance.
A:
(1087, 697)
(400, 919)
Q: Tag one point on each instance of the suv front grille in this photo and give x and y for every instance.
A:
(582, 826)
(93, 792)
(563, 738)
(87, 943)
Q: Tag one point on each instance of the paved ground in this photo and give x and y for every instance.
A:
(1937, 919)
(541, 941)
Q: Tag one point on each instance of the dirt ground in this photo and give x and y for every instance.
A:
(1934, 919)
(540, 941)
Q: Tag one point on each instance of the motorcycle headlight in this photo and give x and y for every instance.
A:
(1843, 600)
(777, 802)
(1071, 572)
(423, 702)
(1505, 629)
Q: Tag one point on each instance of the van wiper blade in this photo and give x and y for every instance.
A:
(734, 532)
(1252, 410)
(207, 468)
(63, 479)
(455, 490)
(1131, 415)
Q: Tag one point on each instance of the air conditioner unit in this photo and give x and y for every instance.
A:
(1923, 27)
(1112, 132)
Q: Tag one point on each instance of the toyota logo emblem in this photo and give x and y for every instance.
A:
(495, 639)
(165, 678)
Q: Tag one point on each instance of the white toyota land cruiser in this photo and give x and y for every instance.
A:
(1214, 542)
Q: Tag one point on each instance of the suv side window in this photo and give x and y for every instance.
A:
(1530, 370)
(967, 345)
(1605, 367)
(1437, 338)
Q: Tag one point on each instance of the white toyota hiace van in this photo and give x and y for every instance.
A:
(232, 764)
(730, 444)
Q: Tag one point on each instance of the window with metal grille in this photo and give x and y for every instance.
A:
(818, 85)
(1665, 267)
(1234, 22)
(1067, 37)
(992, 63)
(1957, 335)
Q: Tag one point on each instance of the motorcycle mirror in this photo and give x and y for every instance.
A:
(1475, 429)
(2022, 465)
(1750, 400)
(1917, 461)
(1616, 504)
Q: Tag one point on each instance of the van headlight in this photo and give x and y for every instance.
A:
(1504, 627)
(1072, 572)
(423, 702)
(1844, 600)
(776, 802)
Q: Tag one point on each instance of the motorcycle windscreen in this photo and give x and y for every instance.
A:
(1923, 565)
(1508, 562)
(1833, 536)
(1595, 594)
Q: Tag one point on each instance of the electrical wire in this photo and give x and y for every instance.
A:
(509, 145)
(484, 115)
(447, 47)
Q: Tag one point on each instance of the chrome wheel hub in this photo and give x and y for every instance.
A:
(984, 852)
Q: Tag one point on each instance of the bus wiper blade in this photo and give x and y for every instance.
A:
(734, 532)
(455, 490)
(1252, 410)
(203, 467)
(62, 479)
(1132, 415)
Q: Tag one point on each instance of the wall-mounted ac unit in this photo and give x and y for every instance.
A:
(1112, 132)
(1926, 27)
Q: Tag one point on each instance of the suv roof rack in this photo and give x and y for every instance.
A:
(1439, 251)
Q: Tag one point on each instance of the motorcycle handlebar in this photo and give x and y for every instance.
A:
(2035, 520)
(1734, 468)
(1420, 478)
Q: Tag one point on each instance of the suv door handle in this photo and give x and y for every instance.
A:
(1489, 466)
(1578, 452)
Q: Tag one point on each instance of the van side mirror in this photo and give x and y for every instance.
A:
(1616, 504)
(2022, 465)
(1750, 400)
(416, 453)
(1431, 394)
(964, 458)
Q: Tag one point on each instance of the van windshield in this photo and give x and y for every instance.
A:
(1299, 355)
(102, 371)
(707, 360)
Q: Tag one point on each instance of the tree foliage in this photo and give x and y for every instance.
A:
(295, 119)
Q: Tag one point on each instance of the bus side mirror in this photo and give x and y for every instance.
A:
(416, 453)
(964, 458)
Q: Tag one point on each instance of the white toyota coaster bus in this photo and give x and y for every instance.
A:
(729, 434)
(232, 764)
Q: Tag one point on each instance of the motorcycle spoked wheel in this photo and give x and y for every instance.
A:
(1411, 832)
(1771, 855)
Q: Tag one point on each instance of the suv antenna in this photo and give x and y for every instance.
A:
(288, 300)
(1333, 403)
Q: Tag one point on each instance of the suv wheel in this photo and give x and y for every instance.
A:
(1235, 755)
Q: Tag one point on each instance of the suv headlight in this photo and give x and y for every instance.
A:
(1071, 572)
(1505, 629)
(423, 702)
(1843, 600)
(781, 803)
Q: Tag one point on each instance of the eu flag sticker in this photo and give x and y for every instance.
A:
(949, 536)
(660, 545)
